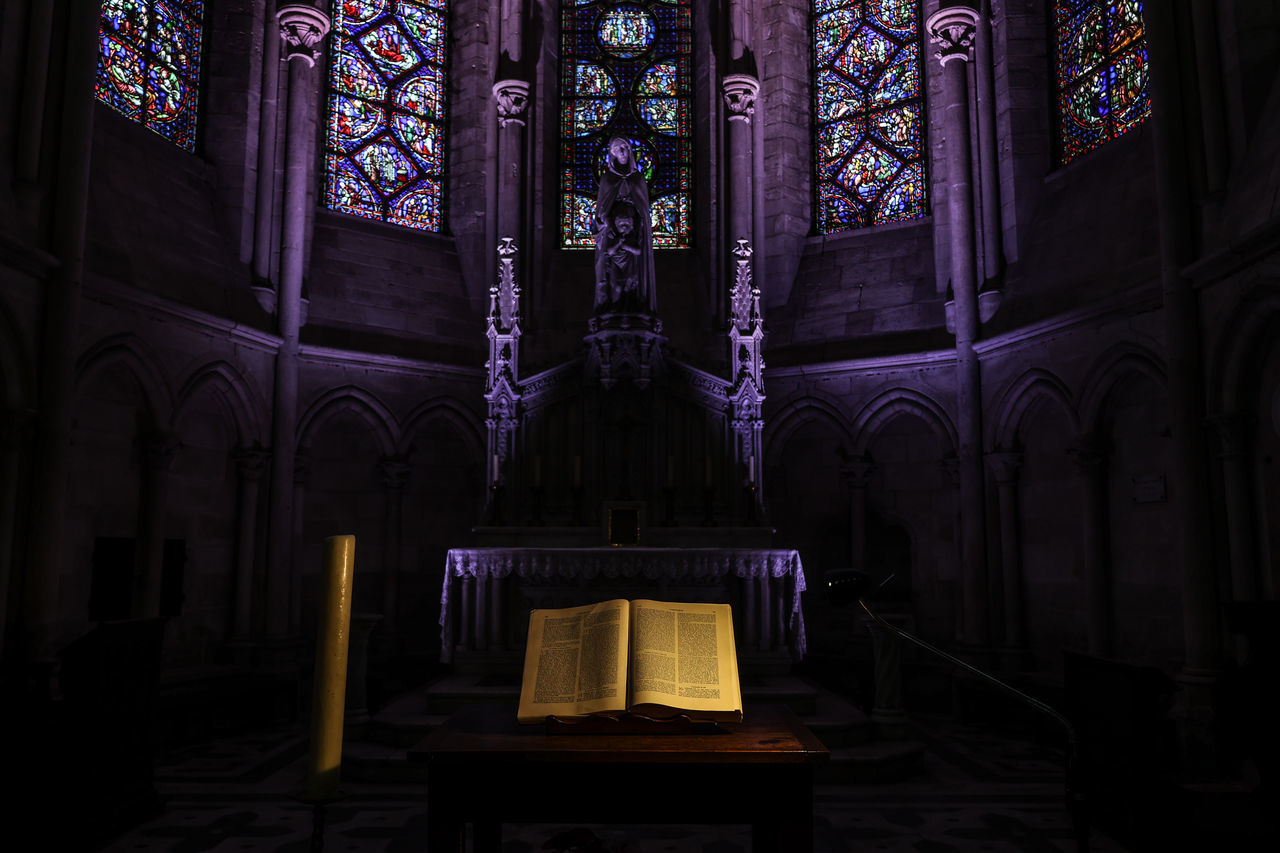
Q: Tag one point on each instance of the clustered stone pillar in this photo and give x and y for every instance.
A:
(68, 204)
(1175, 214)
(293, 568)
(985, 95)
(856, 472)
(13, 434)
(250, 462)
(302, 28)
(395, 476)
(1004, 466)
(952, 29)
(158, 450)
(1090, 455)
(264, 200)
(1236, 452)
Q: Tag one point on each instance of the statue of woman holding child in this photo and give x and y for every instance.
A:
(624, 236)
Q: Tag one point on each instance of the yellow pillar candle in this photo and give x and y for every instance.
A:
(333, 636)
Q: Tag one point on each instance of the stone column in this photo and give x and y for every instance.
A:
(512, 98)
(740, 92)
(158, 450)
(35, 82)
(293, 568)
(1235, 449)
(58, 344)
(952, 29)
(988, 168)
(1208, 76)
(1090, 455)
(856, 473)
(1004, 466)
(506, 138)
(250, 463)
(264, 231)
(302, 28)
(1176, 214)
(395, 476)
(14, 427)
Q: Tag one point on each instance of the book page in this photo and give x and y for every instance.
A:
(684, 657)
(576, 661)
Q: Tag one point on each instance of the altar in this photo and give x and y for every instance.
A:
(488, 592)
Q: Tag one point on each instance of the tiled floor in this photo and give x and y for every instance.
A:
(977, 792)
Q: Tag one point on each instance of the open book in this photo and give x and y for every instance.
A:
(655, 658)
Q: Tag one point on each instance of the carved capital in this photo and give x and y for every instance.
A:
(856, 471)
(951, 464)
(395, 472)
(512, 97)
(159, 448)
(952, 29)
(1090, 453)
(302, 28)
(1234, 434)
(740, 92)
(251, 462)
(1004, 465)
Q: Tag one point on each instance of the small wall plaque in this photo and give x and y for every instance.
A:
(1149, 488)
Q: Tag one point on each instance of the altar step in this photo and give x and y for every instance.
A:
(379, 752)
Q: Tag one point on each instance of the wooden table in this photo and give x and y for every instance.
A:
(486, 769)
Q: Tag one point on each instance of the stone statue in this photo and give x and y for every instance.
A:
(624, 237)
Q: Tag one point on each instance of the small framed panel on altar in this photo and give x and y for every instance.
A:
(622, 521)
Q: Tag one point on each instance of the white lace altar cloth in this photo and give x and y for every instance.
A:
(550, 565)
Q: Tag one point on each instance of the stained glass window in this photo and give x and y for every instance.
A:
(869, 113)
(1100, 56)
(384, 150)
(149, 64)
(625, 71)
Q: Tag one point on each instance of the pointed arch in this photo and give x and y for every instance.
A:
(136, 357)
(382, 423)
(798, 412)
(241, 404)
(1248, 331)
(464, 421)
(901, 401)
(1021, 396)
(1111, 367)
